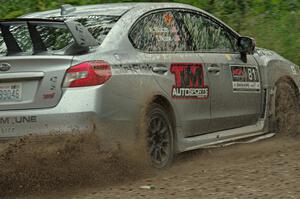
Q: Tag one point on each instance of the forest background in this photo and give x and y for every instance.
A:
(275, 24)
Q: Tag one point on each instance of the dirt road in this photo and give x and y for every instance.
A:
(266, 169)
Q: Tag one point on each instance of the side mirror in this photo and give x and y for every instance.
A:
(246, 46)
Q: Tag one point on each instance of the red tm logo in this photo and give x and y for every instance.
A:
(189, 81)
(238, 72)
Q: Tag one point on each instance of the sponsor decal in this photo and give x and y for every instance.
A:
(164, 38)
(77, 17)
(159, 30)
(18, 120)
(189, 81)
(53, 81)
(134, 68)
(49, 95)
(168, 18)
(167, 32)
(228, 57)
(245, 78)
(161, 33)
(294, 71)
(7, 130)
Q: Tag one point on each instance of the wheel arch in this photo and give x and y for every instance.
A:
(171, 110)
(164, 102)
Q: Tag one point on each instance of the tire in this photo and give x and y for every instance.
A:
(160, 137)
(286, 108)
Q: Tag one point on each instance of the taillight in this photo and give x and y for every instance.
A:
(89, 73)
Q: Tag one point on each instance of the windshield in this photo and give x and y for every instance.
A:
(56, 37)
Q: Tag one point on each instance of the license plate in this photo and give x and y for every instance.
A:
(10, 92)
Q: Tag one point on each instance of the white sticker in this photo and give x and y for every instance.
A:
(246, 86)
(294, 71)
(245, 78)
(159, 30)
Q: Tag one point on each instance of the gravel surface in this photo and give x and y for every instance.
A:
(265, 169)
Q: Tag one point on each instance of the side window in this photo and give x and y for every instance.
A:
(158, 32)
(208, 35)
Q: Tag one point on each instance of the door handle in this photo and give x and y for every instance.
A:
(214, 69)
(160, 69)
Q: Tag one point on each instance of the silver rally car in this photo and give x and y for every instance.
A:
(192, 80)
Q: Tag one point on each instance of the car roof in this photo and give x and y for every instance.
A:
(116, 9)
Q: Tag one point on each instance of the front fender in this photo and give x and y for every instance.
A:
(273, 67)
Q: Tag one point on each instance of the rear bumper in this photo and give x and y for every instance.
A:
(81, 110)
(73, 114)
(41, 124)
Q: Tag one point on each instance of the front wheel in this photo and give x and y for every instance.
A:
(160, 136)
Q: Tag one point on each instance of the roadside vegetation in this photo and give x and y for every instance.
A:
(273, 23)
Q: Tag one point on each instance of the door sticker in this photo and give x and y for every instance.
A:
(245, 78)
(189, 81)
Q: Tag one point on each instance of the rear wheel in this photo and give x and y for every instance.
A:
(286, 108)
(160, 137)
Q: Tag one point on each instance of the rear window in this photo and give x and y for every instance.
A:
(56, 38)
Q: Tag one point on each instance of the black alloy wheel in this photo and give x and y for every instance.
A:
(160, 137)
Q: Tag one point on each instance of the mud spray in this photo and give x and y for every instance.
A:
(40, 164)
(287, 110)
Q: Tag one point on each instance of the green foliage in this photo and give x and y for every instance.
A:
(272, 22)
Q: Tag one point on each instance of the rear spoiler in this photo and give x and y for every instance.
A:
(83, 39)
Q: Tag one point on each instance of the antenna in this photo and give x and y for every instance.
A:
(66, 9)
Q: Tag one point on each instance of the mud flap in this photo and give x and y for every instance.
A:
(271, 112)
